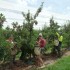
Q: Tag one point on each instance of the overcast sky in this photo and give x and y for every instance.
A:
(59, 9)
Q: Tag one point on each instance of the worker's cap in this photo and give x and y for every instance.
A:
(40, 34)
(60, 33)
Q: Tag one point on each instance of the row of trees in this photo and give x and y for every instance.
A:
(25, 35)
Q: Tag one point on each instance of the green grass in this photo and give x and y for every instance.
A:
(61, 64)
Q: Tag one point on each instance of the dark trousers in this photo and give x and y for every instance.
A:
(56, 50)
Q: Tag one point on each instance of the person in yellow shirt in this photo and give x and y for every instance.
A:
(60, 38)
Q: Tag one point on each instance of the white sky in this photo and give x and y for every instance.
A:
(24, 5)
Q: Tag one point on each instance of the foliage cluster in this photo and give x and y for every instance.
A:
(26, 36)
